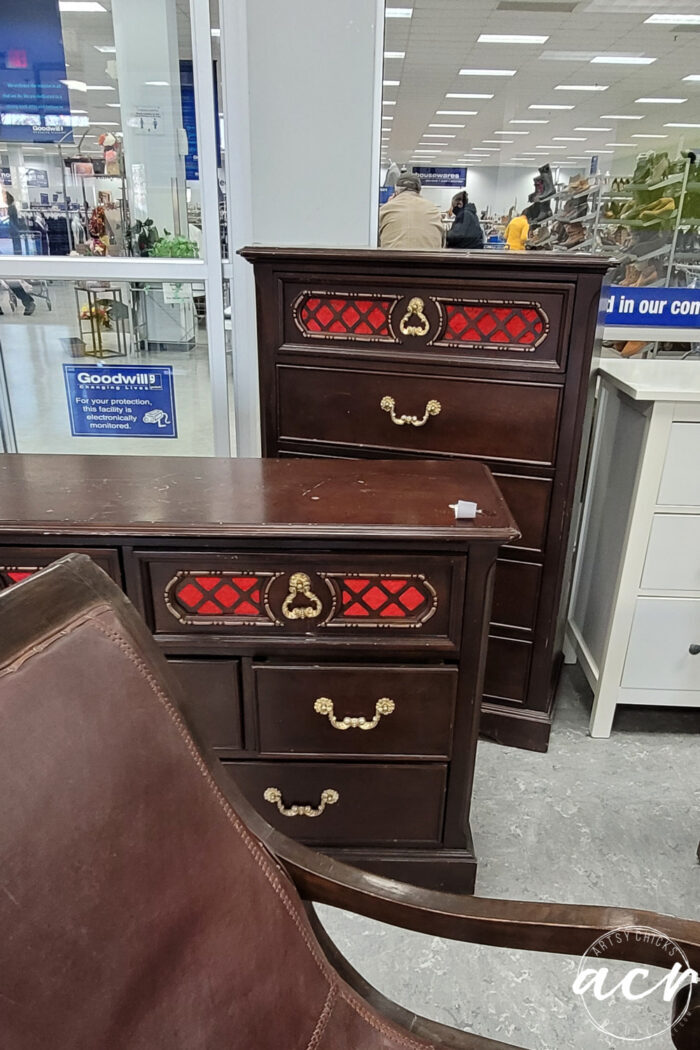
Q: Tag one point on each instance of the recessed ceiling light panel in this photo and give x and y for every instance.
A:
(511, 38)
(581, 87)
(661, 101)
(487, 72)
(621, 60)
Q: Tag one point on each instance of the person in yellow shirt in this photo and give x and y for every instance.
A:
(517, 231)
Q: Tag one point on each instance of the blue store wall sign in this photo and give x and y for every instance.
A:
(449, 177)
(654, 307)
(121, 401)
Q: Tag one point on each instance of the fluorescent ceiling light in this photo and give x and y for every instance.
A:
(75, 85)
(511, 132)
(592, 129)
(507, 142)
(84, 6)
(467, 94)
(620, 60)
(621, 116)
(650, 136)
(156, 83)
(105, 49)
(446, 125)
(528, 122)
(551, 147)
(113, 105)
(391, 83)
(510, 38)
(682, 125)
(456, 113)
(568, 138)
(398, 12)
(431, 136)
(99, 87)
(692, 76)
(674, 101)
(620, 143)
(550, 106)
(487, 149)
(384, 117)
(394, 54)
(78, 112)
(581, 87)
(216, 32)
(673, 20)
(487, 72)
(600, 151)
(388, 102)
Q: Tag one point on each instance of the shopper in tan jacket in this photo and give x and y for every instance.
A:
(408, 221)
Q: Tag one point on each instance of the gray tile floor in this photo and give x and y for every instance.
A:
(613, 822)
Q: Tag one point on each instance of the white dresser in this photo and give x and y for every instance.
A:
(634, 617)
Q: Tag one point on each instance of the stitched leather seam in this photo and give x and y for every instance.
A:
(233, 819)
(398, 1038)
(323, 1018)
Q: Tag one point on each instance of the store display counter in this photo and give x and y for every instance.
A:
(328, 622)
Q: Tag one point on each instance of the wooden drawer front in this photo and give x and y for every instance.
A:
(332, 596)
(211, 703)
(507, 669)
(673, 555)
(680, 482)
(658, 654)
(405, 711)
(373, 803)
(528, 500)
(480, 418)
(516, 593)
(510, 325)
(17, 563)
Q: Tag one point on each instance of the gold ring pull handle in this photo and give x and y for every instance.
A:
(300, 587)
(329, 797)
(415, 309)
(432, 408)
(383, 706)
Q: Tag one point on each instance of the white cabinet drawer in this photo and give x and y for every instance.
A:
(680, 481)
(673, 555)
(658, 654)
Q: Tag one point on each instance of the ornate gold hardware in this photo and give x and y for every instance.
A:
(329, 797)
(415, 309)
(324, 706)
(300, 586)
(432, 408)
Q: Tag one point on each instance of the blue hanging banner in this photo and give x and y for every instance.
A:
(653, 307)
(448, 177)
(189, 119)
(34, 101)
(121, 401)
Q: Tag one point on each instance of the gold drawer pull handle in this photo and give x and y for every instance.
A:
(433, 408)
(300, 586)
(383, 706)
(415, 309)
(329, 797)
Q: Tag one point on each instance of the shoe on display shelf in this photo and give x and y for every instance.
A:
(634, 346)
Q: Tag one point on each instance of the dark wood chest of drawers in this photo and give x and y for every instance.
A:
(471, 355)
(327, 623)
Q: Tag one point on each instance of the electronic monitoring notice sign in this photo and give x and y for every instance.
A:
(121, 401)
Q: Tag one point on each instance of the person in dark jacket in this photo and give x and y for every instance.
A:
(466, 231)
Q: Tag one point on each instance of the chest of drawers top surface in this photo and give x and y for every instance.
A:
(246, 498)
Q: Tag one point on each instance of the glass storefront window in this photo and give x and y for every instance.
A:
(108, 367)
(102, 159)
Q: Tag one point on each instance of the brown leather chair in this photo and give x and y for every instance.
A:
(145, 906)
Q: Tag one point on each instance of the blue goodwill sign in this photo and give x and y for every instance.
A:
(656, 307)
(121, 401)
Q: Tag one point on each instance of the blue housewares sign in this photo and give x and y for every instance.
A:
(655, 307)
(121, 401)
(456, 177)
